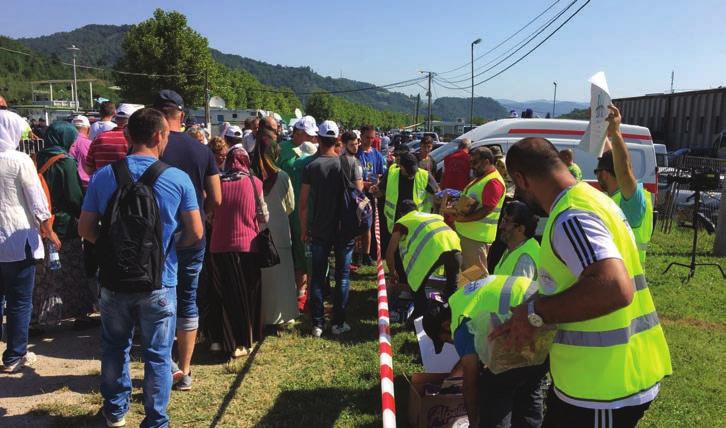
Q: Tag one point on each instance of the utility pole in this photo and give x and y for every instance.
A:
(74, 92)
(554, 100)
(415, 119)
(471, 107)
(428, 93)
(207, 118)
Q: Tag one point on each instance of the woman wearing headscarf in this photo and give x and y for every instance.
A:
(279, 290)
(66, 292)
(235, 270)
(24, 218)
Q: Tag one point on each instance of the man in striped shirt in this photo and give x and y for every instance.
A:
(110, 146)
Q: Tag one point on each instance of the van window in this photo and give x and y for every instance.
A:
(661, 159)
(637, 158)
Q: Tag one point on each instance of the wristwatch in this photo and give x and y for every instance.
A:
(534, 319)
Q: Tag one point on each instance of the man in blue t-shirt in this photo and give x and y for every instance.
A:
(374, 167)
(153, 311)
(187, 154)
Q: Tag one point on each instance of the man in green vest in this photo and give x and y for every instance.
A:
(478, 229)
(424, 243)
(615, 175)
(609, 355)
(517, 231)
(511, 398)
(568, 157)
(407, 181)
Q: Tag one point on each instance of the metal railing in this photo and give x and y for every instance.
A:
(31, 147)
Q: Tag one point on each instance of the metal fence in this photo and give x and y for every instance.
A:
(31, 147)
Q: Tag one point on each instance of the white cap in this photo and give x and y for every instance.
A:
(328, 129)
(233, 131)
(81, 121)
(307, 124)
(125, 110)
(357, 133)
(308, 148)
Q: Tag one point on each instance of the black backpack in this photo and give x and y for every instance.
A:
(130, 250)
(356, 214)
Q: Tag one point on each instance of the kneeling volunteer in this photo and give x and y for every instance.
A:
(514, 397)
(425, 244)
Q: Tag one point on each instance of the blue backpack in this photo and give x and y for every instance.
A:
(356, 213)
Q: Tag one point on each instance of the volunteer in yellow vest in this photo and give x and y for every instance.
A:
(512, 398)
(407, 181)
(478, 229)
(424, 244)
(609, 355)
(517, 231)
(615, 175)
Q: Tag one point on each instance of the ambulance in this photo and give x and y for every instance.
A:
(564, 134)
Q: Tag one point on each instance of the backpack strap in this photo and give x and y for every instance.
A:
(50, 162)
(153, 172)
(343, 173)
(121, 172)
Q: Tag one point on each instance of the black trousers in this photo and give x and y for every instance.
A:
(514, 398)
(561, 414)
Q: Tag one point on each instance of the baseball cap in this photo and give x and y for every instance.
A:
(606, 163)
(125, 110)
(167, 97)
(307, 124)
(81, 121)
(435, 315)
(328, 129)
(233, 131)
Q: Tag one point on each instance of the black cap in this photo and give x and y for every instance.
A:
(435, 315)
(606, 163)
(167, 97)
(408, 162)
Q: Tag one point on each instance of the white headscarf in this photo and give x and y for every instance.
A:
(11, 130)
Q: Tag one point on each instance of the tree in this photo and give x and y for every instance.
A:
(165, 45)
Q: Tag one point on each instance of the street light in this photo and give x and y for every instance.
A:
(554, 100)
(74, 50)
(471, 108)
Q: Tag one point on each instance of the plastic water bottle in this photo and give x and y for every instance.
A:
(53, 257)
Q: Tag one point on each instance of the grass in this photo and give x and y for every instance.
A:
(294, 380)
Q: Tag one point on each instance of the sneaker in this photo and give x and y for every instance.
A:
(176, 373)
(215, 347)
(317, 331)
(185, 383)
(26, 360)
(240, 351)
(115, 423)
(340, 329)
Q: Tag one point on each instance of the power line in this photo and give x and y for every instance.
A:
(521, 44)
(505, 40)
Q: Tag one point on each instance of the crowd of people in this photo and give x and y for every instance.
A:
(168, 233)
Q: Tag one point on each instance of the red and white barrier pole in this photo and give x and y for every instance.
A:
(385, 348)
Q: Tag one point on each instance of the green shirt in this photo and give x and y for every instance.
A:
(287, 157)
(575, 171)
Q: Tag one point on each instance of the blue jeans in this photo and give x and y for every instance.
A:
(190, 262)
(120, 312)
(16, 288)
(343, 256)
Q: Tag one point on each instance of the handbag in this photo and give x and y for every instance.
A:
(268, 255)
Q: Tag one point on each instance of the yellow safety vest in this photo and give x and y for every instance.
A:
(495, 294)
(617, 355)
(645, 230)
(485, 229)
(427, 238)
(420, 197)
(509, 260)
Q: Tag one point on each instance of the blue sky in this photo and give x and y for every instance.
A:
(637, 43)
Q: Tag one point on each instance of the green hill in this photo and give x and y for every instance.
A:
(101, 46)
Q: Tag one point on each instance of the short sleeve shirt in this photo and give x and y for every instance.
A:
(464, 340)
(174, 193)
(634, 208)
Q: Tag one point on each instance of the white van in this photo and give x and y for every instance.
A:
(564, 134)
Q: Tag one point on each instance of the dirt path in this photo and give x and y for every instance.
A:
(66, 374)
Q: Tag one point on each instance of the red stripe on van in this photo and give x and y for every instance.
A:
(651, 187)
(569, 132)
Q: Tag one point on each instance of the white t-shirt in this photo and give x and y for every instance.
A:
(248, 141)
(99, 127)
(580, 239)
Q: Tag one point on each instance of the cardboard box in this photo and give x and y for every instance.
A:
(439, 411)
(472, 274)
